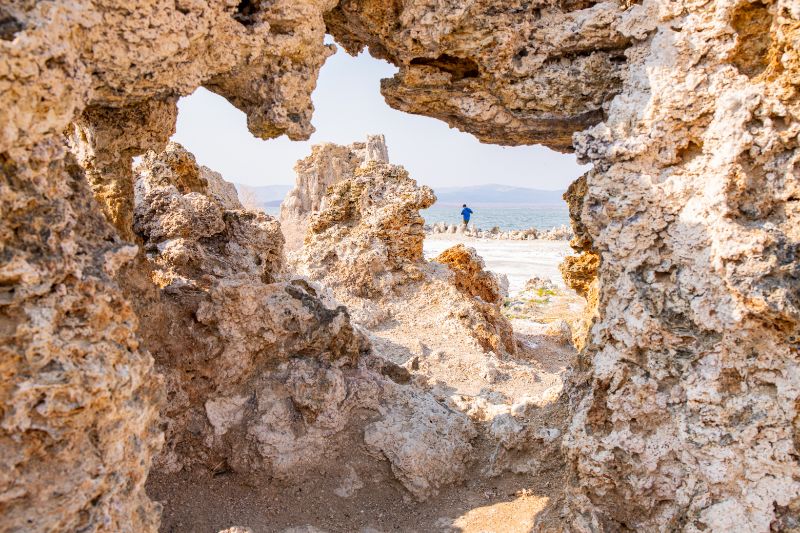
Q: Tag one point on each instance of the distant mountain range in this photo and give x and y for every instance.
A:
(494, 194)
(262, 195)
(478, 195)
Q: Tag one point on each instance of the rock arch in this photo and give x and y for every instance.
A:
(685, 407)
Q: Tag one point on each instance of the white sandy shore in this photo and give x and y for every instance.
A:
(519, 260)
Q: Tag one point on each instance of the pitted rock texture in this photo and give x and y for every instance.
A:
(265, 374)
(415, 421)
(79, 397)
(368, 236)
(254, 355)
(580, 274)
(262, 373)
(327, 165)
(470, 273)
(365, 243)
(510, 73)
(471, 278)
(78, 400)
(687, 415)
(580, 271)
(184, 219)
(105, 139)
(224, 192)
(117, 56)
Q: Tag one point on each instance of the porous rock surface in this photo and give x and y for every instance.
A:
(513, 72)
(266, 371)
(415, 421)
(365, 243)
(685, 413)
(79, 396)
(684, 416)
(327, 165)
(471, 278)
(79, 400)
(580, 270)
(255, 355)
(367, 237)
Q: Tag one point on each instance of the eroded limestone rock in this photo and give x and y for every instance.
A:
(470, 275)
(327, 165)
(105, 140)
(685, 415)
(507, 72)
(79, 399)
(471, 278)
(79, 396)
(365, 243)
(367, 238)
(427, 444)
(265, 372)
(254, 355)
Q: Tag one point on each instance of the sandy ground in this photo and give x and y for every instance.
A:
(519, 260)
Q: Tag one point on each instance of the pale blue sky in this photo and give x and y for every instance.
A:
(348, 106)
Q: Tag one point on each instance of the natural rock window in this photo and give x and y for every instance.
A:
(682, 412)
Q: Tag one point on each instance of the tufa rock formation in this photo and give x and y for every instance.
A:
(262, 374)
(471, 279)
(508, 72)
(685, 413)
(254, 355)
(366, 244)
(580, 271)
(80, 398)
(327, 165)
(368, 237)
(469, 274)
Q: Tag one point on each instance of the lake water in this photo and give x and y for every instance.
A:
(506, 218)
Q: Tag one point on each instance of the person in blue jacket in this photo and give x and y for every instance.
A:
(466, 213)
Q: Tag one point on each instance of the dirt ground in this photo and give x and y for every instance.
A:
(354, 491)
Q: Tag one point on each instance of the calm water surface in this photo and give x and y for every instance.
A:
(506, 218)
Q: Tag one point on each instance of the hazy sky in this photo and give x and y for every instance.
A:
(348, 106)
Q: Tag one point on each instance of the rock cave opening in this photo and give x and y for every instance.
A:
(171, 361)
